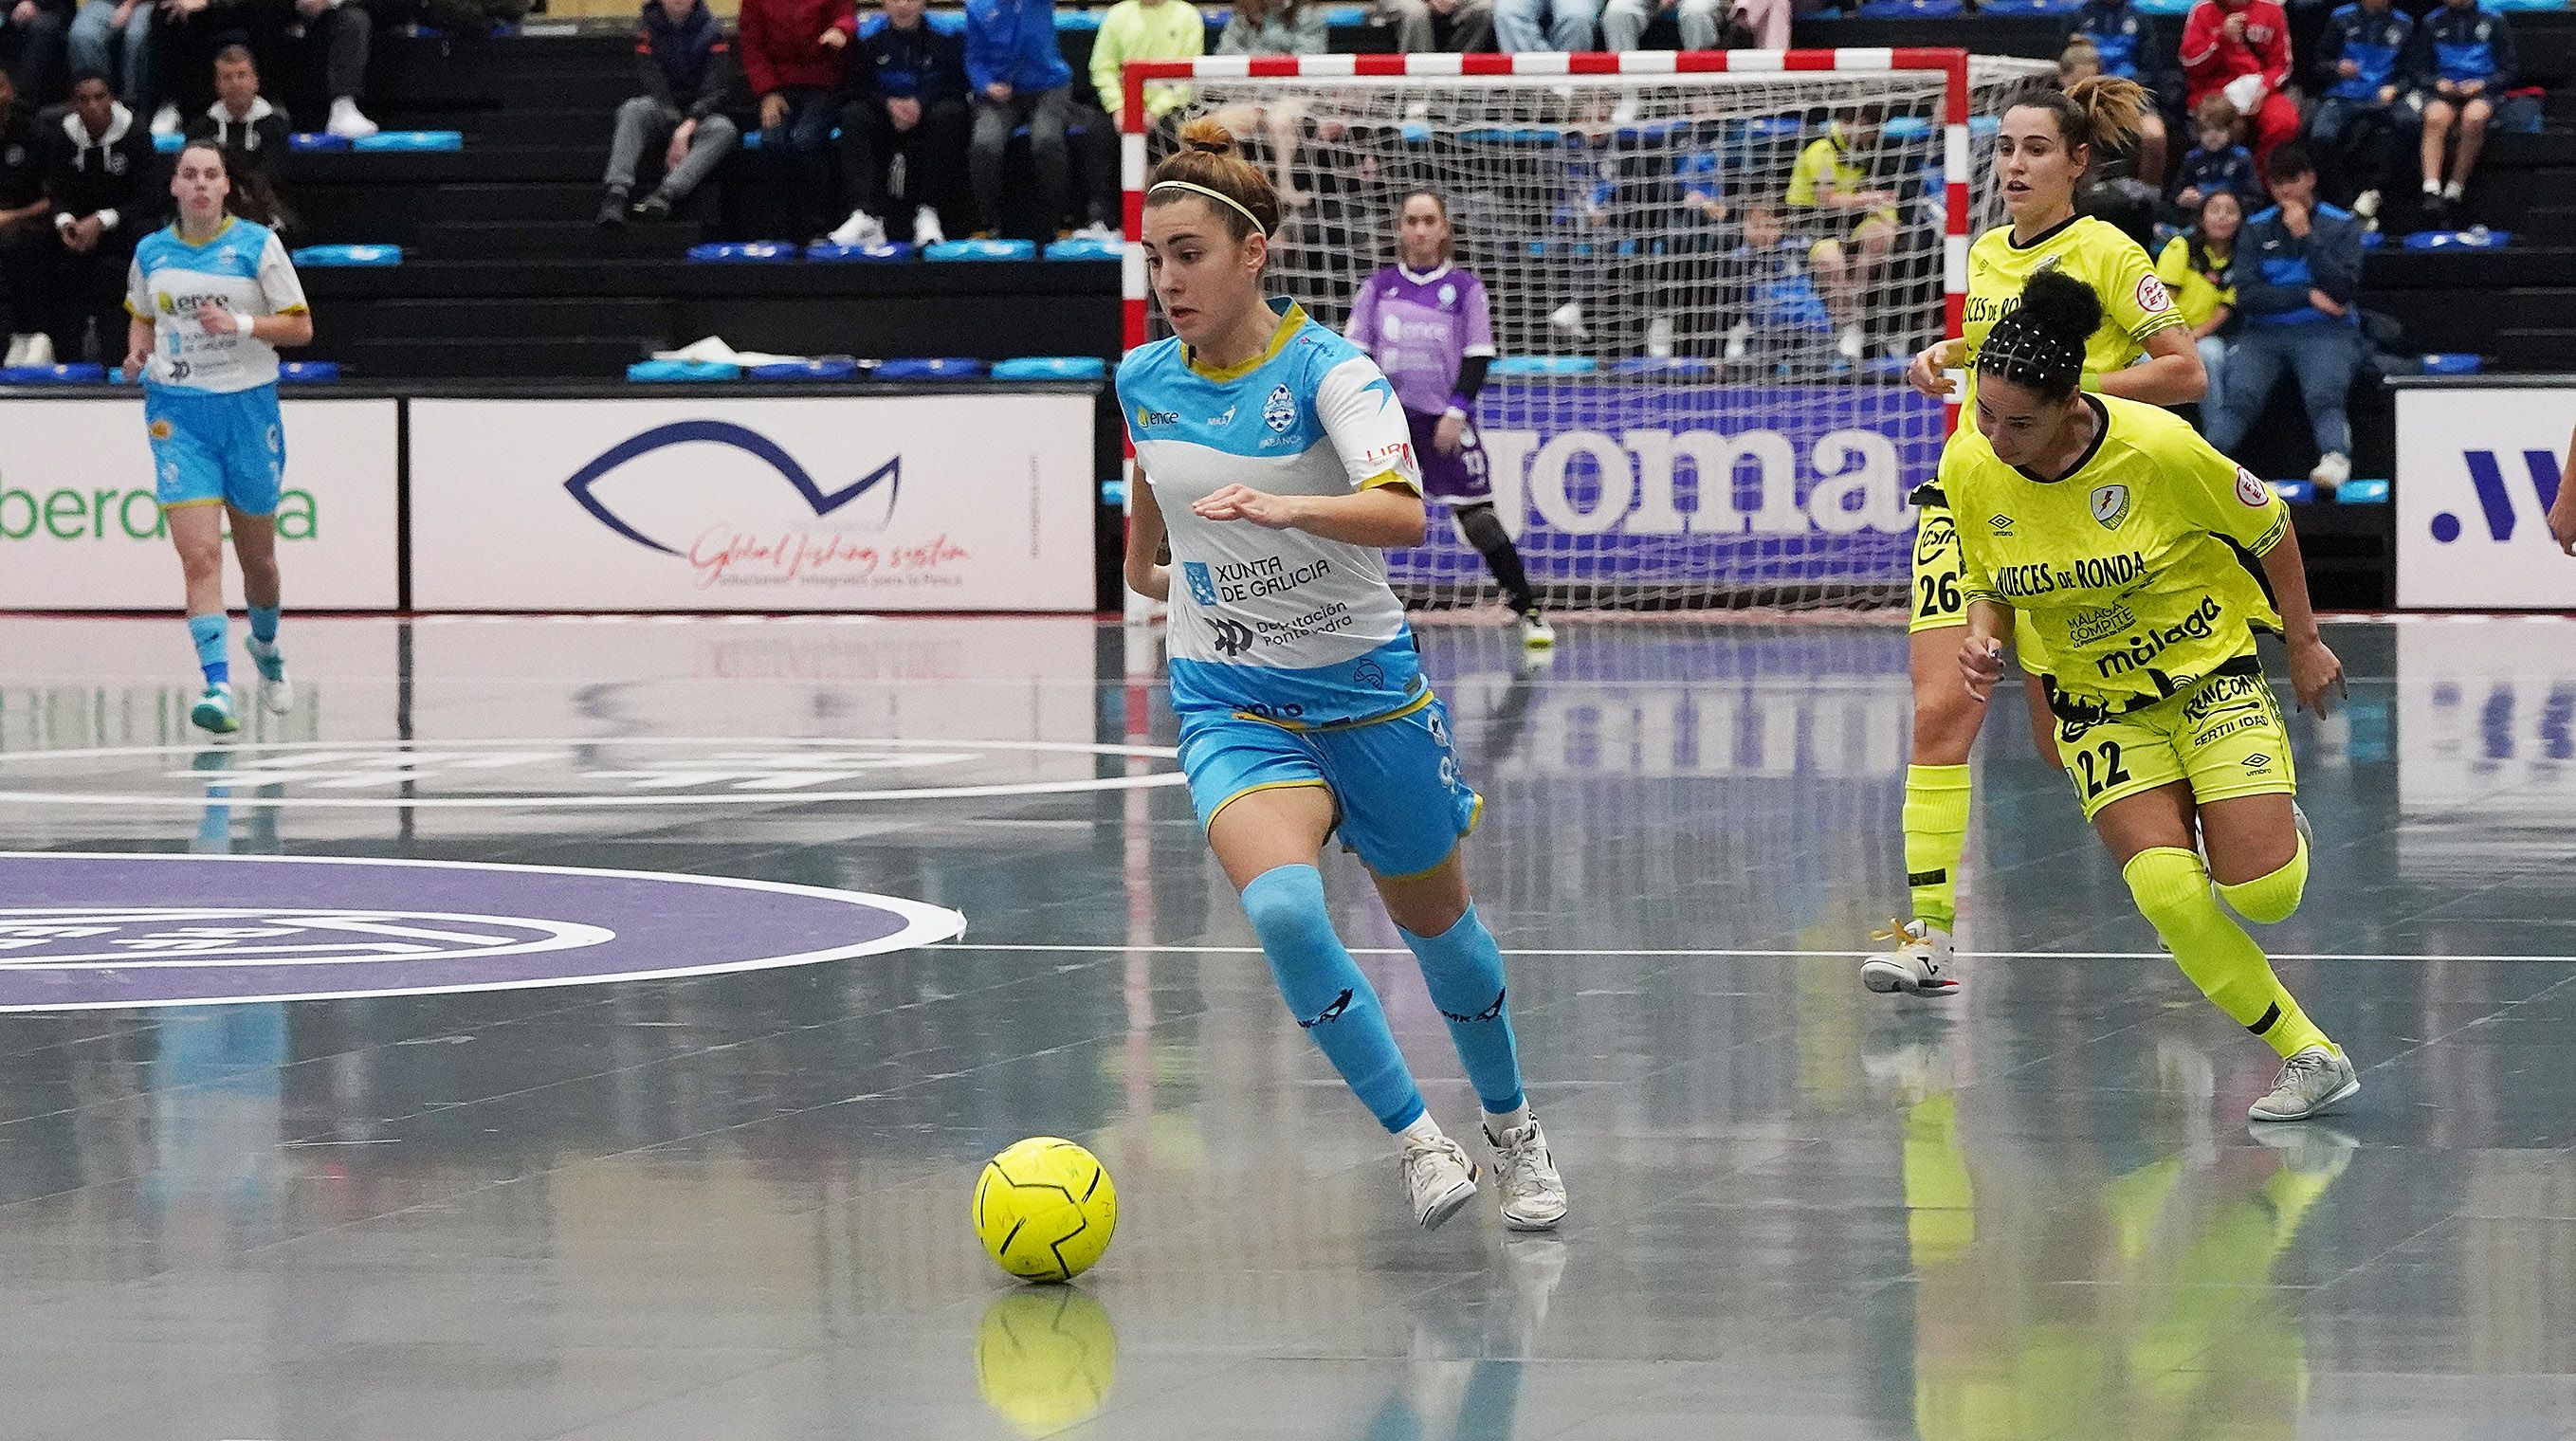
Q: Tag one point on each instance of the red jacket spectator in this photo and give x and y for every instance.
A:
(2226, 40)
(782, 45)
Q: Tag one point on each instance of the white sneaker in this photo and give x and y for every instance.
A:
(40, 350)
(1848, 345)
(1525, 1172)
(1536, 633)
(1921, 965)
(862, 231)
(2333, 468)
(1440, 1179)
(1099, 230)
(2366, 204)
(2310, 1083)
(17, 353)
(1659, 337)
(214, 711)
(348, 122)
(276, 692)
(1625, 112)
(166, 121)
(1739, 339)
(925, 227)
(1567, 320)
(2451, 193)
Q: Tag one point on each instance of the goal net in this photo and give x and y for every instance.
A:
(1706, 273)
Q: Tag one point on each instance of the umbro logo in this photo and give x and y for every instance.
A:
(2256, 761)
(2001, 524)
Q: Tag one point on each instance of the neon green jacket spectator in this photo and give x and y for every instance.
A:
(1146, 30)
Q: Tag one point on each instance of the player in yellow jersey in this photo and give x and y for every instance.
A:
(2141, 351)
(2139, 563)
(1830, 187)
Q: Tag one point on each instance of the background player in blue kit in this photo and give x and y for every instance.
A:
(1281, 469)
(1428, 325)
(211, 298)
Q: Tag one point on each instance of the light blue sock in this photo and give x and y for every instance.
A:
(263, 624)
(208, 632)
(1325, 991)
(1464, 970)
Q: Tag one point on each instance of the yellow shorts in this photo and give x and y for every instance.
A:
(1935, 600)
(2223, 735)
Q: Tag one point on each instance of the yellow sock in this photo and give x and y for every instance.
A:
(1936, 832)
(2266, 900)
(2172, 891)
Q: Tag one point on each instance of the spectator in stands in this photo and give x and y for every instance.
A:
(1146, 30)
(339, 33)
(1275, 27)
(2218, 162)
(907, 102)
(98, 179)
(2241, 49)
(2361, 59)
(31, 39)
(1524, 25)
(1829, 191)
(93, 43)
(324, 39)
(796, 55)
(26, 241)
(251, 131)
(2078, 61)
(1780, 317)
(1767, 21)
(1019, 78)
(2198, 270)
(2463, 63)
(685, 65)
(1624, 22)
(2298, 275)
(1423, 26)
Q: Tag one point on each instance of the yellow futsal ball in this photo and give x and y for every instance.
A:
(1045, 1209)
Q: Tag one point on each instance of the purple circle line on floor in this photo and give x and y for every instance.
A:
(96, 931)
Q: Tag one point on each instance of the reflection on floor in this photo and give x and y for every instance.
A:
(735, 1206)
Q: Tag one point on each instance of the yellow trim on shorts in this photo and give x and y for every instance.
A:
(171, 505)
(1319, 784)
(1427, 696)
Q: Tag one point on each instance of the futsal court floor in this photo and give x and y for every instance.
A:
(734, 1204)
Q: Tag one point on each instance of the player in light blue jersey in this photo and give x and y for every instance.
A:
(1280, 469)
(211, 298)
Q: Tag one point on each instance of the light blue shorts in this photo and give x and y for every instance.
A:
(1401, 804)
(210, 446)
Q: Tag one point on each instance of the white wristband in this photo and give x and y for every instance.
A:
(241, 323)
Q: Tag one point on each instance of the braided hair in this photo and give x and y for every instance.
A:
(2039, 343)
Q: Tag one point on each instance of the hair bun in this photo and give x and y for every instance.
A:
(2061, 307)
(1205, 135)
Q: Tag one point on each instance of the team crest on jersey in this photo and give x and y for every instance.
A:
(1448, 296)
(1280, 410)
(2252, 493)
(2111, 505)
(2152, 296)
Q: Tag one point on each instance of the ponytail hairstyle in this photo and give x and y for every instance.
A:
(1211, 168)
(2039, 344)
(249, 196)
(2099, 112)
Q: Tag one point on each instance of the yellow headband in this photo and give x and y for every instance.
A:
(1194, 188)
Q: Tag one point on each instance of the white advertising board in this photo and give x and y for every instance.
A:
(2475, 470)
(688, 503)
(80, 530)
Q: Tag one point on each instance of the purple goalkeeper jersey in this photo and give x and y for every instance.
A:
(1419, 327)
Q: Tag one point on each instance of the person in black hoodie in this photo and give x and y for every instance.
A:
(685, 65)
(26, 241)
(34, 35)
(251, 131)
(98, 176)
(907, 102)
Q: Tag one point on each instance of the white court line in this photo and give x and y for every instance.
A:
(1756, 955)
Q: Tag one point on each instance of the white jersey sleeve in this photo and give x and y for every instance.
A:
(1365, 426)
(278, 282)
(138, 291)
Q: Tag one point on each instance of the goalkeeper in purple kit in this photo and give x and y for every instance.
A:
(1426, 323)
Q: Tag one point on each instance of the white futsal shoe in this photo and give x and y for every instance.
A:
(1536, 633)
(276, 692)
(1524, 1169)
(926, 231)
(214, 711)
(1919, 966)
(2311, 1083)
(1439, 1178)
(862, 231)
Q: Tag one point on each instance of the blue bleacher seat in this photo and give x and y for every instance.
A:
(1906, 127)
(2029, 7)
(1526, 365)
(2296, 492)
(316, 140)
(2373, 239)
(410, 141)
(77, 374)
(2521, 5)
(2362, 492)
(1911, 9)
(749, 252)
(1051, 367)
(981, 250)
(2164, 7)
(308, 372)
(669, 370)
(931, 368)
(1078, 19)
(1113, 492)
(2454, 363)
(170, 144)
(829, 367)
(2459, 240)
(317, 256)
(1080, 248)
(891, 250)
